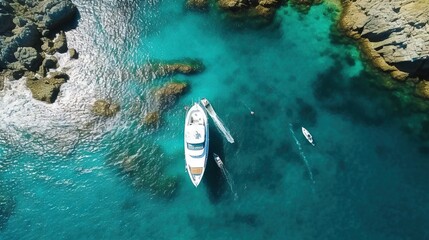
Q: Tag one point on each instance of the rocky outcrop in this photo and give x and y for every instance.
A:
(422, 89)
(261, 10)
(198, 5)
(304, 5)
(47, 88)
(28, 57)
(186, 66)
(105, 108)
(73, 53)
(394, 34)
(25, 31)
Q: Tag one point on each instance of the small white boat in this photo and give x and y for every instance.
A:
(307, 135)
(218, 160)
(196, 142)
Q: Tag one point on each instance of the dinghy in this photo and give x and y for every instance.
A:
(308, 136)
(196, 143)
(218, 160)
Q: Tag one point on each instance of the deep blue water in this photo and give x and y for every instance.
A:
(61, 165)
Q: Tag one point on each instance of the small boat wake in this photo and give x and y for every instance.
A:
(218, 122)
(301, 152)
(226, 174)
(250, 110)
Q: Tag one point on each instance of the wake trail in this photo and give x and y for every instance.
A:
(301, 152)
(219, 124)
(229, 180)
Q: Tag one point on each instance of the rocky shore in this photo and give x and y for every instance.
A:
(393, 34)
(30, 33)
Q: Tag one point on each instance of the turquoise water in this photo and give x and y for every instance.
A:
(62, 166)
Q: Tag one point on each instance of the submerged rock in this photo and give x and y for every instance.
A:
(167, 94)
(145, 171)
(199, 5)
(185, 66)
(152, 118)
(304, 5)
(7, 206)
(104, 108)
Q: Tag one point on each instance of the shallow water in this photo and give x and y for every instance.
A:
(65, 168)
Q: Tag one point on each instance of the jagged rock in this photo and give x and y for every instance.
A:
(28, 57)
(260, 11)
(105, 108)
(45, 89)
(200, 5)
(16, 69)
(233, 5)
(269, 3)
(304, 5)
(45, 32)
(6, 21)
(151, 118)
(48, 46)
(27, 36)
(398, 31)
(48, 63)
(20, 21)
(422, 89)
(57, 12)
(60, 42)
(73, 53)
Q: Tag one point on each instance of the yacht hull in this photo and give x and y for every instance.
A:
(196, 143)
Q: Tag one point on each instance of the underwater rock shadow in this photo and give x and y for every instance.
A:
(356, 98)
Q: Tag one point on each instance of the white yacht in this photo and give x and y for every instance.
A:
(196, 143)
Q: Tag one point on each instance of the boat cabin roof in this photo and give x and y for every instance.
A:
(195, 134)
(196, 118)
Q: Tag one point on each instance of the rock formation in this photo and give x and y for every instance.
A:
(394, 34)
(304, 5)
(262, 10)
(151, 118)
(199, 5)
(187, 66)
(104, 108)
(47, 88)
(422, 89)
(167, 94)
(26, 46)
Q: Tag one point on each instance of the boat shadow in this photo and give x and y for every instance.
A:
(215, 182)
